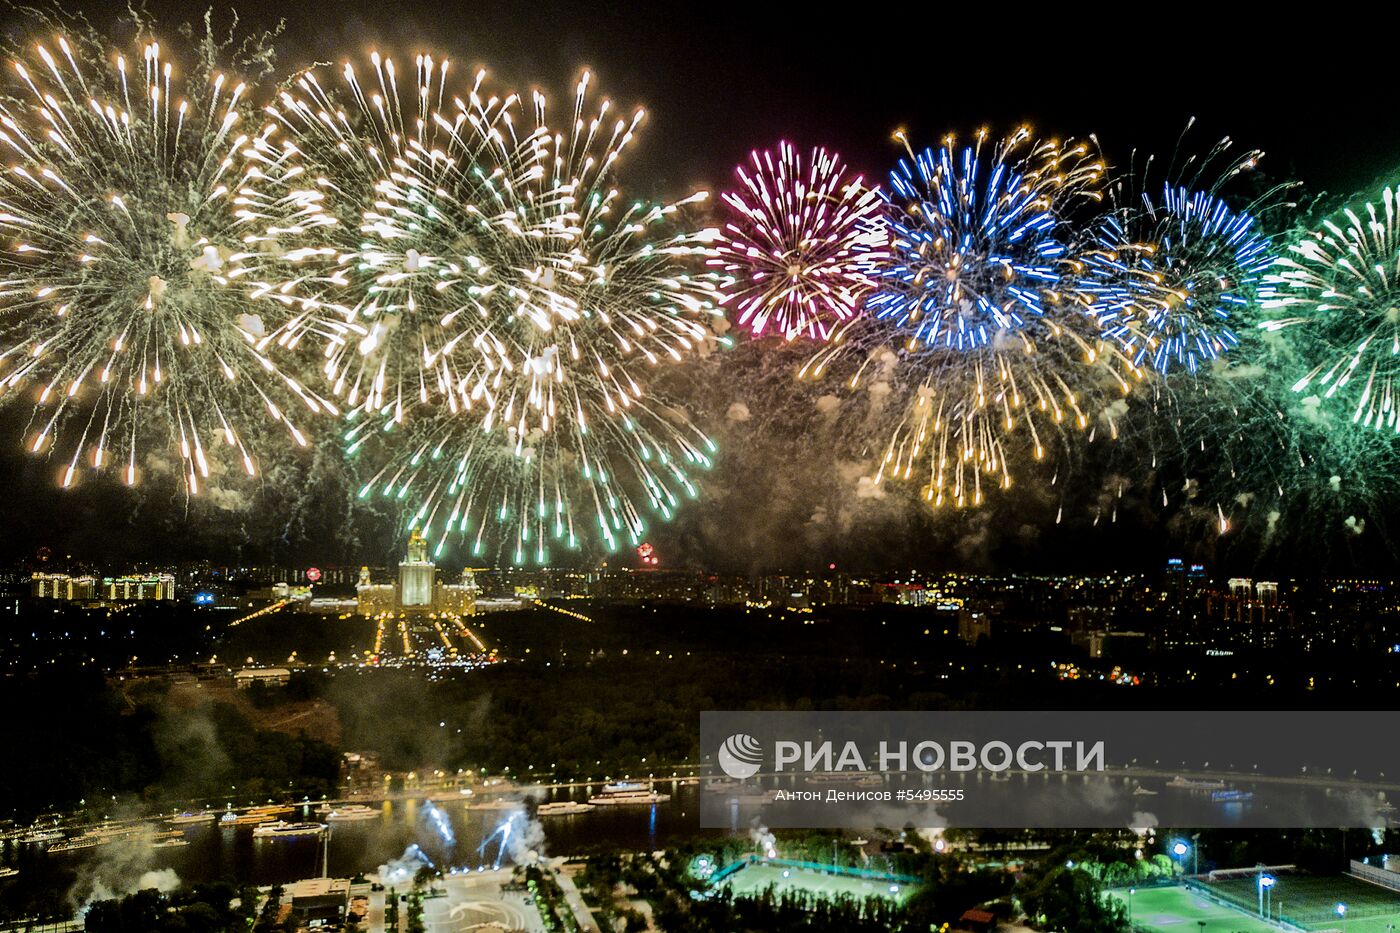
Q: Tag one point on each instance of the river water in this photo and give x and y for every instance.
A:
(448, 833)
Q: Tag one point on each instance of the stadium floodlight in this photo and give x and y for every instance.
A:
(1266, 894)
(1180, 848)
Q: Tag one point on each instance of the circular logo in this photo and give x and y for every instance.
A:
(740, 756)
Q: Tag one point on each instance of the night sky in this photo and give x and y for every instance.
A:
(721, 79)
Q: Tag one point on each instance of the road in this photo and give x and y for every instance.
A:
(575, 899)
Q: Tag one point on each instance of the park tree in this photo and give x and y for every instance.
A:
(1069, 900)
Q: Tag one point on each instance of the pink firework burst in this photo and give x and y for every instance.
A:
(802, 243)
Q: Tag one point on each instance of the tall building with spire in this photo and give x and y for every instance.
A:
(416, 575)
(417, 588)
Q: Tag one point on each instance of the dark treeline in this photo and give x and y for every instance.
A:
(205, 908)
(77, 737)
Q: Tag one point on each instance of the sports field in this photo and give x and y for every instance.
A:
(1307, 901)
(1311, 902)
(753, 879)
(1177, 910)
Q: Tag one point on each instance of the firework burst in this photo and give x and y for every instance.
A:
(1342, 285)
(1173, 272)
(802, 245)
(133, 243)
(974, 336)
(485, 293)
(390, 193)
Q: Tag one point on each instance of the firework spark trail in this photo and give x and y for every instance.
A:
(135, 239)
(487, 297)
(974, 325)
(1342, 285)
(1233, 452)
(440, 823)
(1179, 276)
(803, 243)
(1169, 295)
(366, 162)
(1176, 265)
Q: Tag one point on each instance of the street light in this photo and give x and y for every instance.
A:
(1131, 892)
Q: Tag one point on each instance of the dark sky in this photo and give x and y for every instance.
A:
(720, 79)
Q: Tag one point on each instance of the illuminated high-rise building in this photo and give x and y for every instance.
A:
(139, 587)
(63, 587)
(1174, 582)
(374, 598)
(416, 575)
(418, 590)
(1267, 592)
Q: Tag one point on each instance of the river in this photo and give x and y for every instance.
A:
(449, 833)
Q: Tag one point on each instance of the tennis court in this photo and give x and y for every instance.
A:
(1303, 900)
(1177, 910)
(1311, 902)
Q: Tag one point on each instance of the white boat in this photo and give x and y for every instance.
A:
(70, 845)
(351, 813)
(562, 808)
(7, 872)
(1231, 795)
(448, 796)
(282, 829)
(170, 843)
(189, 819)
(40, 836)
(1182, 783)
(109, 831)
(1141, 791)
(626, 794)
(722, 784)
(495, 803)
